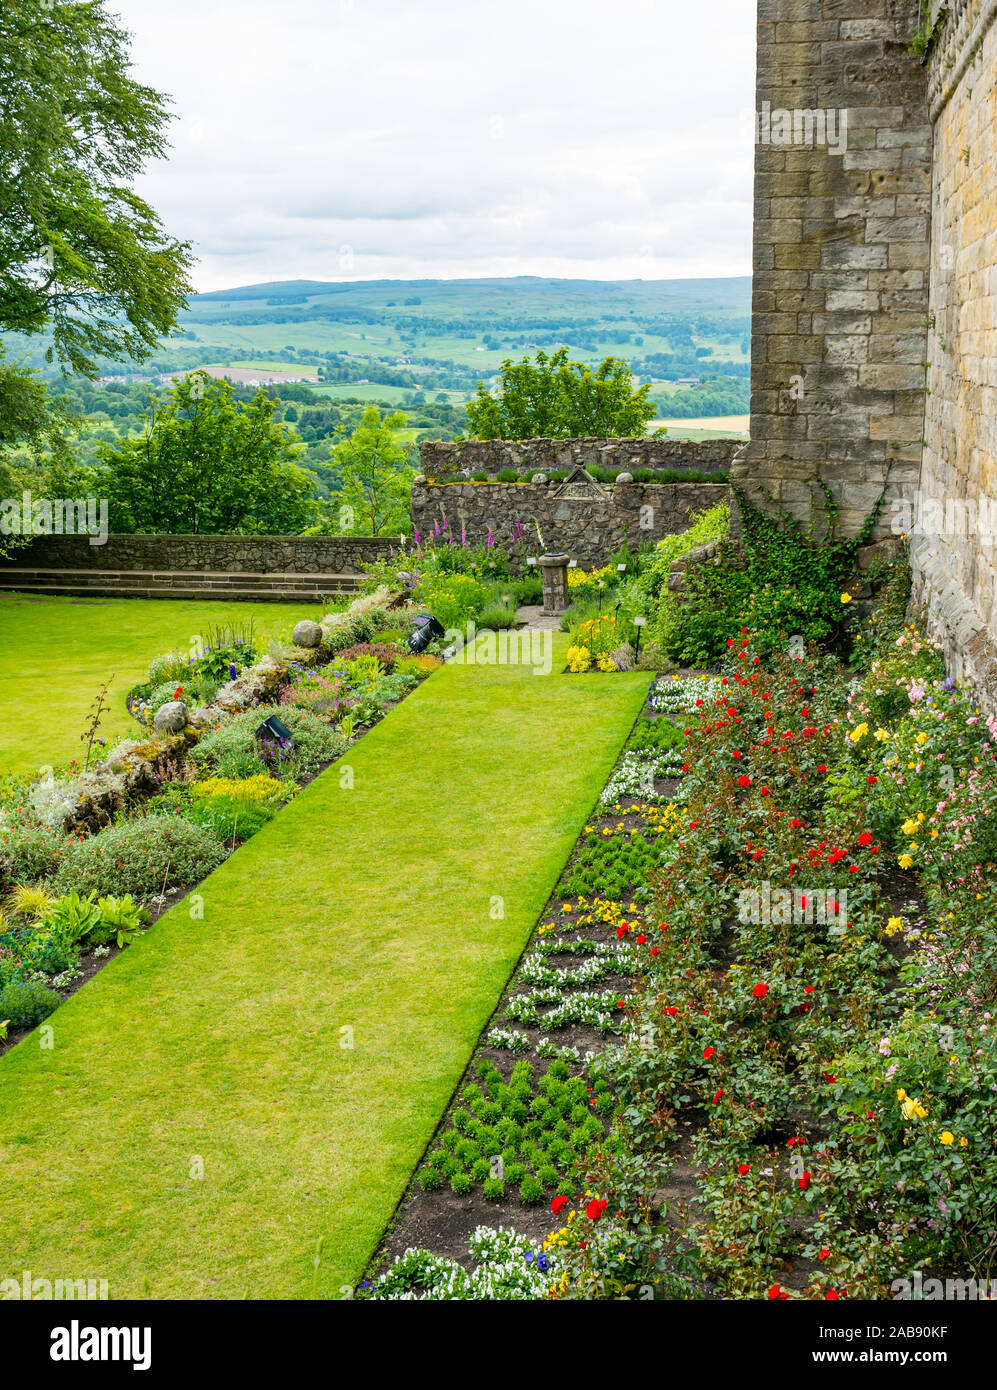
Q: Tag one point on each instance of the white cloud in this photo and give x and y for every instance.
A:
(535, 137)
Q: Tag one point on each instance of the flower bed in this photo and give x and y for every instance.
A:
(804, 1067)
(160, 813)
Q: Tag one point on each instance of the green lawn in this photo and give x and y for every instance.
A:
(56, 653)
(395, 908)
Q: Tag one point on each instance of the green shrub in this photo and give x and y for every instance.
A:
(461, 1184)
(494, 1189)
(26, 1003)
(29, 852)
(495, 617)
(530, 1190)
(139, 857)
(547, 1175)
(430, 1179)
(230, 747)
(230, 819)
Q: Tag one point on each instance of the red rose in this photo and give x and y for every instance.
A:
(804, 1182)
(831, 1295)
(744, 1169)
(823, 1254)
(558, 1205)
(765, 791)
(865, 838)
(719, 1093)
(671, 1010)
(760, 991)
(776, 1292)
(744, 781)
(596, 1208)
(709, 1052)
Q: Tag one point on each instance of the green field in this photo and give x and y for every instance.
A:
(56, 653)
(229, 1091)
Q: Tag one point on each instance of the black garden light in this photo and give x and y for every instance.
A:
(638, 624)
(426, 628)
(272, 728)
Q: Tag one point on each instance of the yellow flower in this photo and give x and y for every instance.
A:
(881, 734)
(846, 598)
(901, 1095)
(894, 925)
(921, 739)
(859, 732)
(910, 827)
(905, 861)
(947, 1137)
(963, 1143)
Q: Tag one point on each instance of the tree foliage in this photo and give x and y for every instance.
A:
(377, 482)
(81, 254)
(552, 398)
(208, 464)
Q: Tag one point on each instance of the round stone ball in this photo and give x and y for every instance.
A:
(624, 477)
(539, 478)
(306, 634)
(171, 717)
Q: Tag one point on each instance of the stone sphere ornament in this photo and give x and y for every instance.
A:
(171, 717)
(306, 634)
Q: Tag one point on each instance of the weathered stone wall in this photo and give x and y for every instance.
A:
(954, 528)
(200, 554)
(589, 528)
(840, 254)
(442, 460)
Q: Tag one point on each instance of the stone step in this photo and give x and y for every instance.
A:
(176, 584)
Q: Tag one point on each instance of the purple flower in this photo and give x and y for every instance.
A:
(231, 670)
(489, 541)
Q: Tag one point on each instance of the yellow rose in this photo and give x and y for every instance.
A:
(905, 861)
(947, 1137)
(846, 598)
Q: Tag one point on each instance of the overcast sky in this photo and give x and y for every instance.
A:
(358, 139)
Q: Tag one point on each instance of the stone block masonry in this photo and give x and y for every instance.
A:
(202, 554)
(587, 522)
(840, 294)
(445, 461)
(954, 529)
(874, 340)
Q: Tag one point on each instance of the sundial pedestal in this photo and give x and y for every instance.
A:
(554, 572)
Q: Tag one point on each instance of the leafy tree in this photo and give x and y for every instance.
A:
(80, 252)
(208, 463)
(376, 478)
(552, 398)
(29, 424)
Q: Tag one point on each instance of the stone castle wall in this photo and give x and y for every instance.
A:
(954, 528)
(442, 460)
(875, 277)
(840, 293)
(589, 527)
(200, 554)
